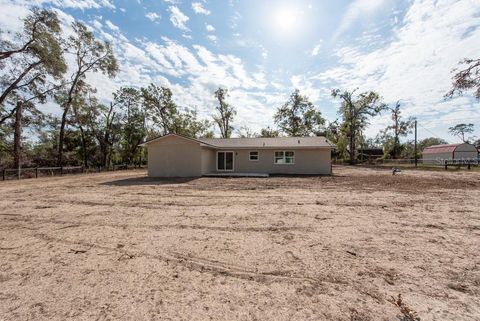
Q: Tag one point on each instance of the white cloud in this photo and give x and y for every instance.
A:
(199, 9)
(416, 66)
(209, 28)
(152, 16)
(178, 18)
(81, 4)
(316, 49)
(306, 87)
(112, 26)
(212, 38)
(235, 19)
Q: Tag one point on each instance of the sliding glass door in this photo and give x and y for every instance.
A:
(224, 161)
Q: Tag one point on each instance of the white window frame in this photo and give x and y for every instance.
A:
(225, 159)
(284, 157)
(250, 155)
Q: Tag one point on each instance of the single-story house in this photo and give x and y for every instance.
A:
(174, 155)
(438, 154)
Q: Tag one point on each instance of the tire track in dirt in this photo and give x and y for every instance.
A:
(195, 264)
(156, 227)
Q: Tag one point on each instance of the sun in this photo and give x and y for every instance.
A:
(287, 19)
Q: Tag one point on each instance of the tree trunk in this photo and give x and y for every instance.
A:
(84, 147)
(66, 108)
(352, 145)
(17, 144)
(61, 137)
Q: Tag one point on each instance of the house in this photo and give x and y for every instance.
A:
(174, 155)
(438, 154)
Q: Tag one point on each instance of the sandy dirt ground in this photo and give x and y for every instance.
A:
(120, 246)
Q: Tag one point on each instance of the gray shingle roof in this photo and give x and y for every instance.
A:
(276, 142)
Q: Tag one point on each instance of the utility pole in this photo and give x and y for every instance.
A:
(416, 160)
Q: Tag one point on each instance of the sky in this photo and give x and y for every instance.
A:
(262, 50)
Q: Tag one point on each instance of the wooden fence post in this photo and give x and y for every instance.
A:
(36, 172)
(61, 170)
(3, 173)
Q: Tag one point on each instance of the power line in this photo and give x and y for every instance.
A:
(430, 131)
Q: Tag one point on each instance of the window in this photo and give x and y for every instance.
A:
(284, 157)
(253, 156)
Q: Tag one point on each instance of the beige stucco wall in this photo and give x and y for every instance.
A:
(174, 157)
(208, 160)
(307, 161)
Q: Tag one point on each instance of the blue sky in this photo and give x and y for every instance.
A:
(262, 50)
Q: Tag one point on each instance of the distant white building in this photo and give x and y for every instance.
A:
(438, 154)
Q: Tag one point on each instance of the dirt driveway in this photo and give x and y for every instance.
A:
(120, 246)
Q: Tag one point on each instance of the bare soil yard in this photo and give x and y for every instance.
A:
(120, 246)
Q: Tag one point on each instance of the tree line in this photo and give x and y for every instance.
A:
(89, 132)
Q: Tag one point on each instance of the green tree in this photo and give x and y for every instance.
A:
(160, 107)
(188, 124)
(32, 64)
(90, 55)
(460, 130)
(466, 79)
(225, 113)
(269, 132)
(38, 56)
(43, 150)
(104, 122)
(299, 117)
(430, 141)
(134, 125)
(355, 111)
(477, 144)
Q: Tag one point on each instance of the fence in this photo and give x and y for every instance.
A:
(380, 162)
(36, 172)
(410, 162)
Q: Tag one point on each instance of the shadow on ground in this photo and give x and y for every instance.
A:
(136, 181)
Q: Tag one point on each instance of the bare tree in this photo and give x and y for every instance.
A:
(225, 115)
(246, 132)
(399, 128)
